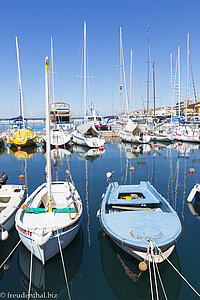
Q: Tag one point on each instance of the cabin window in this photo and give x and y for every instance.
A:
(131, 196)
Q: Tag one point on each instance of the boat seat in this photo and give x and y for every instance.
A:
(60, 200)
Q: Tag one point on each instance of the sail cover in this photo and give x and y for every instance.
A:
(88, 129)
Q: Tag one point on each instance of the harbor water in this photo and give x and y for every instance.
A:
(96, 268)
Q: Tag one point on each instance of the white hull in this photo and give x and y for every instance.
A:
(51, 248)
(187, 138)
(59, 138)
(163, 138)
(92, 142)
(128, 137)
(141, 256)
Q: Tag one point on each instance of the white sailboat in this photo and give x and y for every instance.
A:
(133, 133)
(86, 134)
(52, 214)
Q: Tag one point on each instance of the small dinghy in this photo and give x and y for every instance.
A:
(194, 193)
(11, 198)
(140, 221)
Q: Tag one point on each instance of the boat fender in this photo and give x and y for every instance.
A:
(180, 144)
(3, 177)
(142, 266)
(3, 234)
(56, 147)
(98, 214)
(134, 147)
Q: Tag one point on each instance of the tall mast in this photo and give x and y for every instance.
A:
(131, 74)
(188, 53)
(48, 150)
(52, 69)
(148, 62)
(84, 67)
(179, 80)
(171, 93)
(123, 68)
(21, 108)
(154, 97)
(120, 66)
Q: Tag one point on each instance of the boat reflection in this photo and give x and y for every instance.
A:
(26, 153)
(137, 152)
(121, 272)
(184, 149)
(5, 248)
(85, 153)
(50, 278)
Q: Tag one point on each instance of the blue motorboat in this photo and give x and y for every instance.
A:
(140, 221)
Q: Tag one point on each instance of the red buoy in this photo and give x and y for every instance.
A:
(131, 169)
(101, 148)
(153, 147)
(179, 143)
(56, 147)
(21, 176)
(19, 148)
(191, 171)
(23, 206)
(134, 147)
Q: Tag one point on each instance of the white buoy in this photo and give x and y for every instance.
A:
(3, 234)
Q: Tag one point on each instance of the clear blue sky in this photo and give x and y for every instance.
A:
(34, 21)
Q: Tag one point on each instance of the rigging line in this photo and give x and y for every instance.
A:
(195, 95)
(63, 264)
(87, 203)
(10, 254)
(30, 273)
(176, 185)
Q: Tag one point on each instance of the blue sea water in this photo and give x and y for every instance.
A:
(96, 267)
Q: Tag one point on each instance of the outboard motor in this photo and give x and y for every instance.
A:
(3, 178)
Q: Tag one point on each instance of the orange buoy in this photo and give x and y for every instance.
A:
(179, 143)
(191, 171)
(19, 148)
(131, 169)
(153, 147)
(101, 148)
(56, 147)
(134, 147)
(21, 176)
(23, 206)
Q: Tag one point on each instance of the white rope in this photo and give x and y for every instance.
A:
(10, 254)
(154, 271)
(165, 295)
(63, 263)
(150, 278)
(30, 274)
(178, 271)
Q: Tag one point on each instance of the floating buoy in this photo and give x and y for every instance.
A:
(56, 147)
(191, 171)
(142, 266)
(23, 206)
(21, 176)
(19, 148)
(3, 234)
(134, 147)
(131, 169)
(179, 143)
(101, 148)
(153, 147)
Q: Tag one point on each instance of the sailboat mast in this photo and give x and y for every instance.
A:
(148, 62)
(21, 108)
(131, 74)
(188, 53)
(179, 81)
(171, 85)
(120, 67)
(154, 97)
(84, 66)
(48, 150)
(52, 69)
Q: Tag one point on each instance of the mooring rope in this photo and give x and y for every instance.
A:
(186, 281)
(10, 254)
(30, 274)
(154, 271)
(150, 278)
(63, 264)
(165, 295)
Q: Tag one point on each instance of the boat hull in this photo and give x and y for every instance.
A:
(92, 142)
(128, 137)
